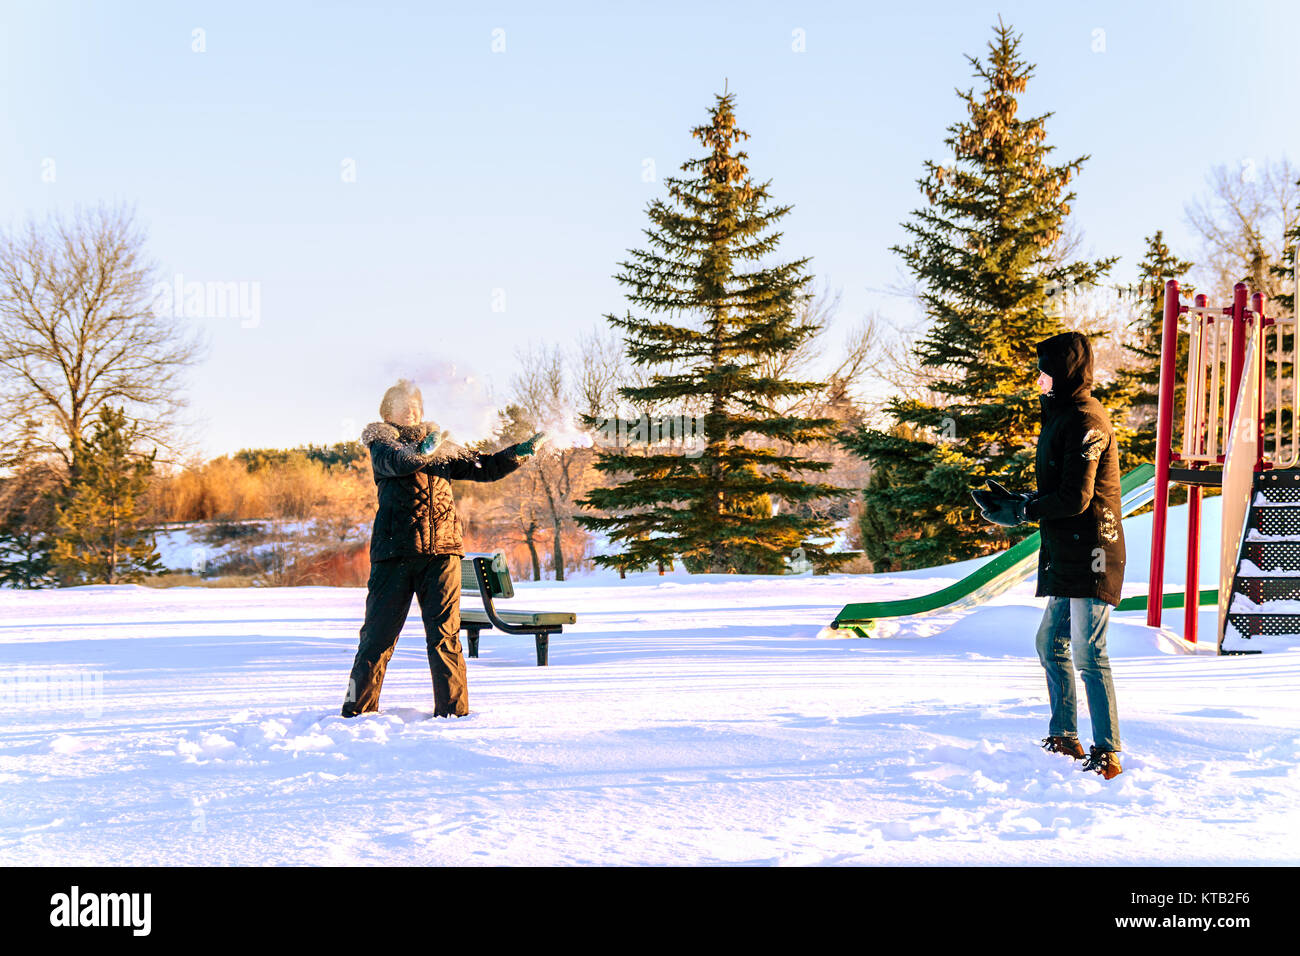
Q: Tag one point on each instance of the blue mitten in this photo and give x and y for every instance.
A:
(432, 441)
(527, 448)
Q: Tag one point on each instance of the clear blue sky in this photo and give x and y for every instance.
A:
(522, 170)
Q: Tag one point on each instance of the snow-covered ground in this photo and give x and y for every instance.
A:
(184, 547)
(683, 720)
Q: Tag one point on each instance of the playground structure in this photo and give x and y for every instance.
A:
(1227, 442)
(1239, 408)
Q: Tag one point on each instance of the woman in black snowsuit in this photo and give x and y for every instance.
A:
(416, 548)
(1081, 556)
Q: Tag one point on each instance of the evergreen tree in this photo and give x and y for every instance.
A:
(27, 514)
(722, 307)
(628, 521)
(983, 252)
(339, 454)
(25, 553)
(1136, 387)
(101, 536)
(885, 528)
(1285, 302)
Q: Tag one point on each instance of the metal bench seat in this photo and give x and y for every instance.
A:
(530, 618)
(487, 576)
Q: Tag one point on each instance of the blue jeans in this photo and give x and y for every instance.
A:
(1081, 621)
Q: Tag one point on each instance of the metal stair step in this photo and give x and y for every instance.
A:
(1264, 624)
(1260, 589)
(1278, 485)
(1274, 519)
(1270, 555)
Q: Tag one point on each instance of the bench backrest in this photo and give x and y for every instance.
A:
(497, 573)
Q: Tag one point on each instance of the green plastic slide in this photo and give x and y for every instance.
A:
(1004, 571)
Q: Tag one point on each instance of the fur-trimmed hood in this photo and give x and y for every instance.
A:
(409, 435)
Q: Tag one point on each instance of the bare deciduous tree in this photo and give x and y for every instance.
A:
(858, 352)
(523, 504)
(601, 369)
(900, 368)
(1242, 222)
(544, 393)
(78, 331)
(1109, 316)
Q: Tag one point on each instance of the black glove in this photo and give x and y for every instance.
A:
(1002, 492)
(1001, 506)
(1007, 512)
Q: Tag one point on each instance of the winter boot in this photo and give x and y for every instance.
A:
(1069, 746)
(1104, 762)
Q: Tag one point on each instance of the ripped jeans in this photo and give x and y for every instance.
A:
(1081, 622)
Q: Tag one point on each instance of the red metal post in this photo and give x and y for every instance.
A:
(1238, 349)
(1201, 440)
(1257, 306)
(1192, 592)
(1192, 577)
(1164, 439)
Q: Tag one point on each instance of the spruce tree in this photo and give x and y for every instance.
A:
(102, 538)
(718, 305)
(1286, 269)
(1136, 387)
(1284, 303)
(27, 513)
(899, 466)
(25, 553)
(983, 255)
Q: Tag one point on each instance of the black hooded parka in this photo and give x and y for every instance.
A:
(1077, 504)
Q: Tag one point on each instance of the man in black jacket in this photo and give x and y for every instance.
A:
(1081, 556)
(415, 548)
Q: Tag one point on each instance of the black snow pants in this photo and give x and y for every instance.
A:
(434, 579)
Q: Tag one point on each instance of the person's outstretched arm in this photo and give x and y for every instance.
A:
(389, 456)
(474, 466)
(1083, 451)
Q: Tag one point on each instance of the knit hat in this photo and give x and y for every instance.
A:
(398, 399)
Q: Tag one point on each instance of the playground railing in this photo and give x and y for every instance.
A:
(1281, 445)
(1209, 361)
(1239, 468)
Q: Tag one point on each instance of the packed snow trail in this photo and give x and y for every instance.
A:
(683, 720)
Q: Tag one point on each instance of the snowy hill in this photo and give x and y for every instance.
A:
(682, 720)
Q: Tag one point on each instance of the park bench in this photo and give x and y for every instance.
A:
(488, 577)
